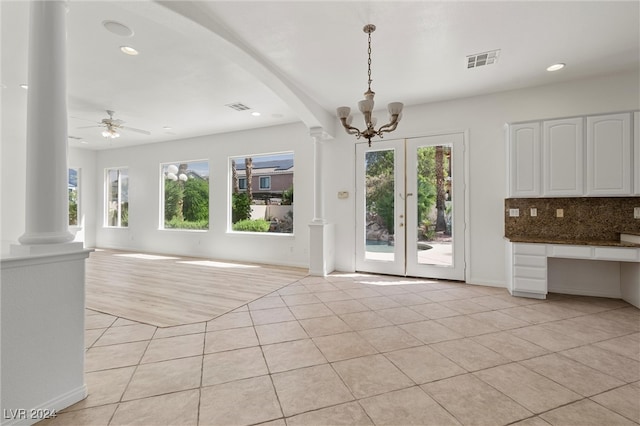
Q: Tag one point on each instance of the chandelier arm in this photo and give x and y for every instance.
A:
(387, 128)
(349, 129)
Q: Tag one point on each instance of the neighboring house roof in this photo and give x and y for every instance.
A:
(276, 165)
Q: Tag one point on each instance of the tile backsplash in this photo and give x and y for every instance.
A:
(583, 218)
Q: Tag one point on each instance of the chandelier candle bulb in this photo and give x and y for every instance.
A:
(366, 107)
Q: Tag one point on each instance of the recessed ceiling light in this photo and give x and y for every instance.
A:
(256, 114)
(167, 128)
(129, 50)
(555, 67)
(117, 28)
(24, 86)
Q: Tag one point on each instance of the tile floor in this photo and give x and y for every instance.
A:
(365, 350)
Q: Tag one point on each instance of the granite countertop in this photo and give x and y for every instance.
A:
(608, 243)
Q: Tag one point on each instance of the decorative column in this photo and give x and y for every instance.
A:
(47, 215)
(322, 250)
(42, 303)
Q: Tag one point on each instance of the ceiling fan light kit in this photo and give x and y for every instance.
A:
(366, 107)
(111, 127)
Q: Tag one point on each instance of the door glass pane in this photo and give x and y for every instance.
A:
(434, 206)
(380, 207)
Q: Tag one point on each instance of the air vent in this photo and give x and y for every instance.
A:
(484, 58)
(238, 106)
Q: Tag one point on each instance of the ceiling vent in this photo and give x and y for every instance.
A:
(484, 58)
(238, 106)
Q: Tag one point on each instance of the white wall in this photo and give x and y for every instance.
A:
(42, 322)
(145, 182)
(484, 118)
(586, 277)
(85, 161)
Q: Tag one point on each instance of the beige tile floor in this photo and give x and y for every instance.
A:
(351, 349)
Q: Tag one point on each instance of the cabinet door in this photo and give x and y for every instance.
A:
(524, 160)
(563, 157)
(609, 155)
(636, 153)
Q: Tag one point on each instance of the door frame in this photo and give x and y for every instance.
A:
(358, 171)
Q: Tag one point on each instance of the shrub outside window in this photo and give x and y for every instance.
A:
(117, 202)
(185, 203)
(262, 193)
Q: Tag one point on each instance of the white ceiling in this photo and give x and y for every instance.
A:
(298, 60)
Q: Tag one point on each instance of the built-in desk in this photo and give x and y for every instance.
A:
(528, 266)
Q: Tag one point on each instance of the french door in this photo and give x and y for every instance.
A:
(410, 207)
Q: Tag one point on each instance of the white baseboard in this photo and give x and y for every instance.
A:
(583, 292)
(55, 405)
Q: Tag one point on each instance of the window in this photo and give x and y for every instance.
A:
(262, 193)
(117, 202)
(185, 204)
(265, 182)
(73, 186)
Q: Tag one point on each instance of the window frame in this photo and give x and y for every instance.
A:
(242, 183)
(264, 188)
(77, 191)
(162, 177)
(278, 233)
(119, 210)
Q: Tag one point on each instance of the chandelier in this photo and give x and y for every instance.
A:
(366, 108)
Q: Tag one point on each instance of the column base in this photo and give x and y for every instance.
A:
(43, 249)
(322, 250)
(46, 237)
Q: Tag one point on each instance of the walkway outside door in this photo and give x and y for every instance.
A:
(410, 207)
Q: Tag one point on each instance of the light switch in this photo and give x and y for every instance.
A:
(514, 212)
(534, 212)
(559, 212)
(636, 212)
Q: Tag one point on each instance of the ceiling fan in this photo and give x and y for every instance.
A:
(112, 126)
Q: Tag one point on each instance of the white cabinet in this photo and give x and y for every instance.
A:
(524, 160)
(563, 157)
(608, 155)
(528, 270)
(597, 156)
(636, 153)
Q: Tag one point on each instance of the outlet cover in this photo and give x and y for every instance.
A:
(636, 212)
(514, 212)
(534, 212)
(559, 212)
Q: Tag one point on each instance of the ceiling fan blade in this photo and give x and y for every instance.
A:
(87, 127)
(117, 122)
(83, 119)
(144, 132)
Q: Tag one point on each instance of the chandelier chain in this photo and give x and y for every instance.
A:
(369, 62)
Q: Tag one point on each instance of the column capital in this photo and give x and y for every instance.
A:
(318, 134)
